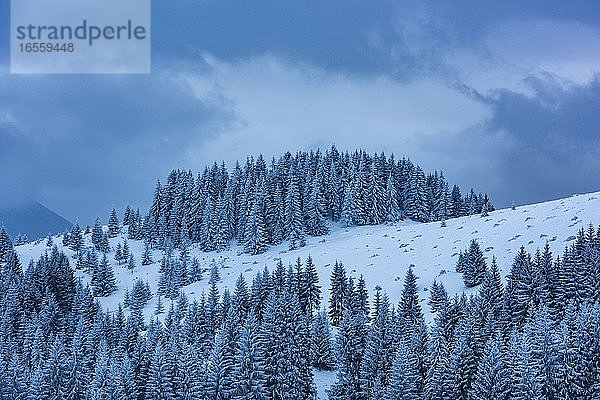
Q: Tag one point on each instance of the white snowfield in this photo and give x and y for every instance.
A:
(381, 253)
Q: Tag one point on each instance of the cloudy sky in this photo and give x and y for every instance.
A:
(503, 96)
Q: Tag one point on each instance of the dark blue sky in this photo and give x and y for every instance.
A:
(503, 96)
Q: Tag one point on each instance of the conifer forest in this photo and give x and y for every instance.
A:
(83, 318)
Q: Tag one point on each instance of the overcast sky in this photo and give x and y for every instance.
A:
(503, 97)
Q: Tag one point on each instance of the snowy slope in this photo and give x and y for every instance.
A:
(381, 253)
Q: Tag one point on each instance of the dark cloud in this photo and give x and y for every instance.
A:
(81, 144)
(404, 38)
(552, 137)
(465, 21)
(331, 34)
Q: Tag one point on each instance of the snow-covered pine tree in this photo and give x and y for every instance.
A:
(409, 308)
(293, 213)
(377, 363)
(131, 262)
(485, 212)
(223, 225)
(338, 293)
(438, 296)
(191, 374)
(104, 244)
(113, 224)
(463, 363)
(544, 347)
(362, 297)
(315, 221)
(76, 241)
(256, 239)
(547, 276)
(285, 338)
(521, 288)
(5, 243)
(221, 367)
(160, 307)
(248, 377)
(310, 291)
(350, 346)
(474, 265)
(100, 386)
(97, 235)
(147, 254)
(491, 292)
(323, 357)
(416, 206)
(183, 264)
(160, 379)
(127, 215)
(125, 251)
(103, 280)
(118, 253)
(403, 382)
(377, 204)
(393, 211)
(492, 379)
(195, 273)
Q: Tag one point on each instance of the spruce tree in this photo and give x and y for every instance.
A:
(76, 238)
(438, 296)
(310, 291)
(322, 346)
(403, 383)
(248, 377)
(256, 239)
(160, 380)
(491, 292)
(293, 213)
(350, 345)
(463, 364)
(220, 369)
(285, 337)
(195, 274)
(338, 293)
(160, 308)
(491, 380)
(474, 265)
(113, 224)
(522, 288)
(97, 235)
(409, 308)
(241, 298)
(131, 262)
(103, 280)
(378, 356)
(147, 254)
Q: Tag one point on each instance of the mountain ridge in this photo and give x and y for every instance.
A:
(31, 218)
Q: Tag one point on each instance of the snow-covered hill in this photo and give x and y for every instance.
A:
(382, 253)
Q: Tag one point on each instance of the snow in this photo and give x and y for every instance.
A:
(381, 253)
(323, 380)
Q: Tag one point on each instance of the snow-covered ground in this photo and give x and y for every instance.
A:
(381, 253)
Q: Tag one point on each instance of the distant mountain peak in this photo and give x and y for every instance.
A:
(30, 218)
